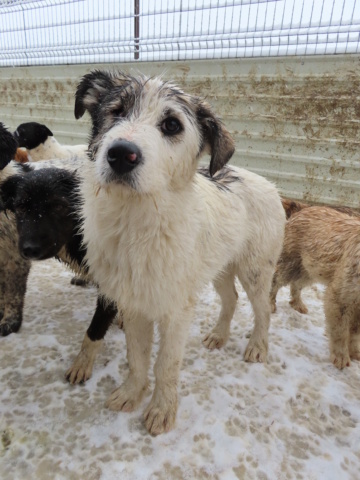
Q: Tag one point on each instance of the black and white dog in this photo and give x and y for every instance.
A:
(14, 268)
(45, 203)
(41, 144)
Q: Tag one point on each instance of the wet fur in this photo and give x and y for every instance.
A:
(156, 235)
(322, 244)
(45, 203)
(14, 270)
(291, 207)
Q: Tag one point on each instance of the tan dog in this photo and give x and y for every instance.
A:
(157, 230)
(322, 244)
(291, 206)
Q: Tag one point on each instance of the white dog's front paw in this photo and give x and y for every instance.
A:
(214, 340)
(127, 397)
(80, 371)
(256, 351)
(82, 368)
(160, 415)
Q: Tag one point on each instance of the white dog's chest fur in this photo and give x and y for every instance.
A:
(153, 253)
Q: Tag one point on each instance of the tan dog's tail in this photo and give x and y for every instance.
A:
(291, 206)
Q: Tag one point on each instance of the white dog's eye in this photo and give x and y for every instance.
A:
(118, 112)
(171, 126)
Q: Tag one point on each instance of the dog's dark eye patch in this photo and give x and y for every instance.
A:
(118, 112)
(121, 100)
(117, 109)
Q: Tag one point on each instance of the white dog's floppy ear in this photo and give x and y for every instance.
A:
(215, 136)
(91, 89)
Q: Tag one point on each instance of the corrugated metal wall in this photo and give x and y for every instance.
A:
(295, 119)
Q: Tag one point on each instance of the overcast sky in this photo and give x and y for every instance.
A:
(63, 31)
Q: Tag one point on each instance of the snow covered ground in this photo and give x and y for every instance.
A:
(297, 417)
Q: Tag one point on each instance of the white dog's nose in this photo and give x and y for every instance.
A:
(123, 156)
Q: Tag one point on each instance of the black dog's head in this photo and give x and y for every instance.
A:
(30, 135)
(43, 204)
(8, 146)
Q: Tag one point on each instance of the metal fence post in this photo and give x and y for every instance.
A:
(137, 27)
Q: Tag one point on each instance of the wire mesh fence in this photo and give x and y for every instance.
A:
(43, 32)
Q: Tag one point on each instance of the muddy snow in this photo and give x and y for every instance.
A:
(296, 417)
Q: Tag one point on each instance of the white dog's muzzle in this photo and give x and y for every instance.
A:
(123, 156)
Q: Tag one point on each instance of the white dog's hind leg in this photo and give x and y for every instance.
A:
(139, 338)
(161, 412)
(257, 284)
(225, 287)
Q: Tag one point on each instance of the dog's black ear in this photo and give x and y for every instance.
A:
(31, 134)
(67, 183)
(46, 131)
(91, 89)
(8, 146)
(8, 189)
(216, 138)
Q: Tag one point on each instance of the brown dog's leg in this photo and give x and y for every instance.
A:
(13, 290)
(338, 319)
(275, 287)
(296, 300)
(354, 344)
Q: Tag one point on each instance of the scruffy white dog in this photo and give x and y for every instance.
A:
(156, 230)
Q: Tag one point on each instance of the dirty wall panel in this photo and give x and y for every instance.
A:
(295, 119)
